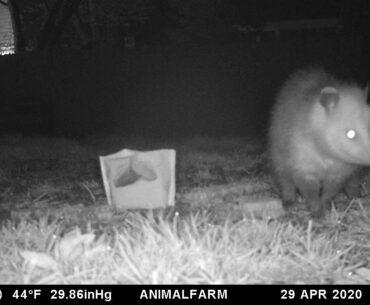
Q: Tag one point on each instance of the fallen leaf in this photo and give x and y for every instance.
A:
(39, 259)
(73, 244)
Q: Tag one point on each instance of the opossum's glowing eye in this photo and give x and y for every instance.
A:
(351, 134)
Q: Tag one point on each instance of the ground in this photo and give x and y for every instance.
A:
(56, 226)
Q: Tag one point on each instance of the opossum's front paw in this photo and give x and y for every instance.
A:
(317, 210)
(318, 214)
(288, 203)
(353, 190)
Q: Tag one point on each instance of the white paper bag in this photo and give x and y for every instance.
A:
(139, 179)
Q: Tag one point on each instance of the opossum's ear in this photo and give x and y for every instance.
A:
(329, 97)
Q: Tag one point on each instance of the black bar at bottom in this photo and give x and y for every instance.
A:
(184, 294)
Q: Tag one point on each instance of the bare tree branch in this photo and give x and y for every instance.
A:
(81, 33)
(92, 20)
(48, 27)
(17, 26)
(59, 15)
(46, 3)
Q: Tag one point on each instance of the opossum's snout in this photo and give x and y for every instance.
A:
(355, 146)
(348, 126)
(363, 152)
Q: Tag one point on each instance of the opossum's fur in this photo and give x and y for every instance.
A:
(318, 137)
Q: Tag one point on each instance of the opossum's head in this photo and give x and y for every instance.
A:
(346, 123)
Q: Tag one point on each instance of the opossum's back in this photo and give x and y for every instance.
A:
(298, 94)
(305, 84)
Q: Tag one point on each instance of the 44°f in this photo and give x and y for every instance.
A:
(24, 294)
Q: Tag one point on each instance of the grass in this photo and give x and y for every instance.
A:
(57, 228)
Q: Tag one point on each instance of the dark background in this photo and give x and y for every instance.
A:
(214, 86)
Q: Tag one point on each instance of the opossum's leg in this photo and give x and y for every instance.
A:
(330, 189)
(310, 189)
(288, 190)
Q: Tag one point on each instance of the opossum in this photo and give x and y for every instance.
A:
(319, 137)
